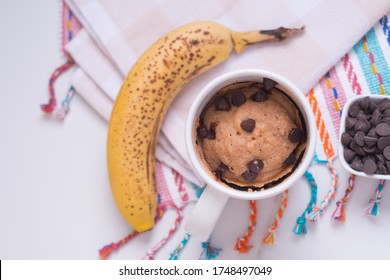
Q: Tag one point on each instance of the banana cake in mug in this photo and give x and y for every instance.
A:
(251, 135)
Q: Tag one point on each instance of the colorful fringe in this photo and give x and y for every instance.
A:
(176, 253)
(70, 27)
(209, 252)
(317, 210)
(114, 246)
(150, 255)
(373, 208)
(300, 227)
(242, 245)
(339, 213)
(270, 238)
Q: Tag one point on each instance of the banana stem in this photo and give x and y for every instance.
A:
(243, 39)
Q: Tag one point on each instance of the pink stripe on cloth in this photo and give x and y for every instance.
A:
(162, 187)
(352, 77)
(335, 97)
(179, 183)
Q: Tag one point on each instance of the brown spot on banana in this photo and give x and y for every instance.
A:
(148, 90)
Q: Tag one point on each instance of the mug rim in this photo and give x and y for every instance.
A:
(203, 98)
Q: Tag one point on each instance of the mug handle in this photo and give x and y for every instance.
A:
(205, 214)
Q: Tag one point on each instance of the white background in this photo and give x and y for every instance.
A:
(55, 200)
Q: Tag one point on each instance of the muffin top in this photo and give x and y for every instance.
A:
(250, 134)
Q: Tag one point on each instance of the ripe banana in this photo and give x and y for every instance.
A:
(144, 98)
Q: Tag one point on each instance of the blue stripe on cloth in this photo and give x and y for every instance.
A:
(380, 63)
(386, 28)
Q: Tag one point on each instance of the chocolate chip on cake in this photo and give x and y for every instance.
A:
(260, 96)
(202, 131)
(295, 135)
(238, 98)
(222, 103)
(221, 168)
(255, 165)
(269, 84)
(211, 132)
(248, 125)
(290, 159)
(249, 176)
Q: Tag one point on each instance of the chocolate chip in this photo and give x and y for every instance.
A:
(269, 84)
(369, 149)
(357, 165)
(369, 167)
(386, 152)
(359, 138)
(345, 139)
(362, 125)
(382, 129)
(249, 176)
(255, 165)
(295, 135)
(385, 104)
(372, 133)
(348, 154)
(359, 151)
(221, 168)
(386, 113)
(365, 103)
(350, 123)
(372, 107)
(289, 160)
(238, 98)
(351, 132)
(376, 117)
(202, 131)
(380, 168)
(385, 120)
(354, 110)
(383, 142)
(211, 133)
(368, 157)
(362, 115)
(388, 166)
(380, 158)
(370, 141)
(222, 103)
(260, 96)
(353, 145)
(248, 125)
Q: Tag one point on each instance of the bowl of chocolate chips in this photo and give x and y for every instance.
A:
(365, 136)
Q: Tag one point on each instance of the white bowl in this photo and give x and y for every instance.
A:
(377, 99)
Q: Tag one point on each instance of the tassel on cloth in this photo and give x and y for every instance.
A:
(51, 105)
(300, 227)
(317, 210)
(176, 253)
(105, 252)
(242, 245)
(65, 105)
(270, 237)
(209, 252)
(373, 207)
(108, 249)
(153, 251)
(339, 213)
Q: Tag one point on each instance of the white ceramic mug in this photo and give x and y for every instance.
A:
(209, 207)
